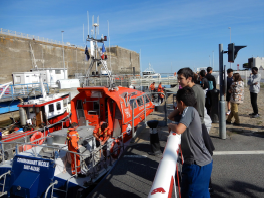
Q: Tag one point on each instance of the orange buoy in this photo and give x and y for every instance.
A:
(26, 147)
(36, 136)
(113, 154)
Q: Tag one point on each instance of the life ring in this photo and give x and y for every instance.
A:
(175, 73)
(26, 147)
(113, 154)
(36, 136)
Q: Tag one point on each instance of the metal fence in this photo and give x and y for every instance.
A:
(37, 38)
(24, 90)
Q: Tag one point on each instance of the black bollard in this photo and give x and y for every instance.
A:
(154, 138)
(215, 102)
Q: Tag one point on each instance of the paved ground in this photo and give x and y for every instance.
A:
(238, 160)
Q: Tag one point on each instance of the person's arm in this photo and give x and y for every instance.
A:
(177, 128)
(254, 79)
(173, 114)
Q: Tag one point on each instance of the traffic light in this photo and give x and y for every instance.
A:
(232, 51)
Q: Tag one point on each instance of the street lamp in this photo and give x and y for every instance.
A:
(213, 60)
(230, 42)
(63, 55)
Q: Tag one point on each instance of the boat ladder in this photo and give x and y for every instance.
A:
(2, 193)
(53, 184)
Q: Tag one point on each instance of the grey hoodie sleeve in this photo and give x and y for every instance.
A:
(254, 78)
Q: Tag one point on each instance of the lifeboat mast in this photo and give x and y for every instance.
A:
(98, 60)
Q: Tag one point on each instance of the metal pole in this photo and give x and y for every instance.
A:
(222, 118)
(165, 106)
(133, 129)
(213, 60)
(144, 97)
(230, 42)
(63, 55)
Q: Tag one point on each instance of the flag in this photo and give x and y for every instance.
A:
(87, 53)
(103, 51)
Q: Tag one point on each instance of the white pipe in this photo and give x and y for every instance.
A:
(164, 179)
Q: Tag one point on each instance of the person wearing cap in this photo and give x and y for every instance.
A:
(73, 138)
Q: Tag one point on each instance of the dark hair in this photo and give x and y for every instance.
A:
(254, 68)
(153, 82)
(229, 70)
(209, 69)
(186, 72)
(74, 124)
(103, 126)
(186, 95)
(237, 77)
(202, 73)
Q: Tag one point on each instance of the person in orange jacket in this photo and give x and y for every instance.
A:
(159, 87)
(152, 87)
(161, 96)
(102, 132)
(73, 138)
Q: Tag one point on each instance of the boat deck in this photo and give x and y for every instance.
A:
(133, 174)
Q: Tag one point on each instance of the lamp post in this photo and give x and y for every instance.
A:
(63, 54)
(230, 42)
(213, 60)
(109, 46)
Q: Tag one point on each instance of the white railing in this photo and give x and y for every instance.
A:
(37, 38)
(164, 181)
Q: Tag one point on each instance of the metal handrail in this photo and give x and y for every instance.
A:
(8, 172)
(28, 36)
(51, 185)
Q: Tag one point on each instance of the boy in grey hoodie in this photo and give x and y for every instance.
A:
(254, 82)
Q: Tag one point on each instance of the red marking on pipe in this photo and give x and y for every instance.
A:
(171, 187)
(160, 189)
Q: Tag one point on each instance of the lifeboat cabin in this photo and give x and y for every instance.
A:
(52, 112)
(95, 104)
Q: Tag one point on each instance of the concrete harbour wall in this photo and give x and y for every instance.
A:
(16, 56)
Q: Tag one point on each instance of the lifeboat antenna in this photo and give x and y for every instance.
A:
(100, 60)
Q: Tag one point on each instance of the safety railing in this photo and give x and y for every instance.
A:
(93, 154)
(33, 37)
(24, 90)
(164, 181)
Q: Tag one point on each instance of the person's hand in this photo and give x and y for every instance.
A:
(172, 127)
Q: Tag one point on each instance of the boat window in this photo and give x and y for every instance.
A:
(65, 102)
(146, 99)
(58, 105)
(51, 108)
(140, 101)
(57, 71)
(135, 104)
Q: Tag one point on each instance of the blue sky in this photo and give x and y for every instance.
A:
(171, 34)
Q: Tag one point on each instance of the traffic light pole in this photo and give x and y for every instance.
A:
(222, 118)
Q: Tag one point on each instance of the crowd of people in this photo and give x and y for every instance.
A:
(197, 147)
